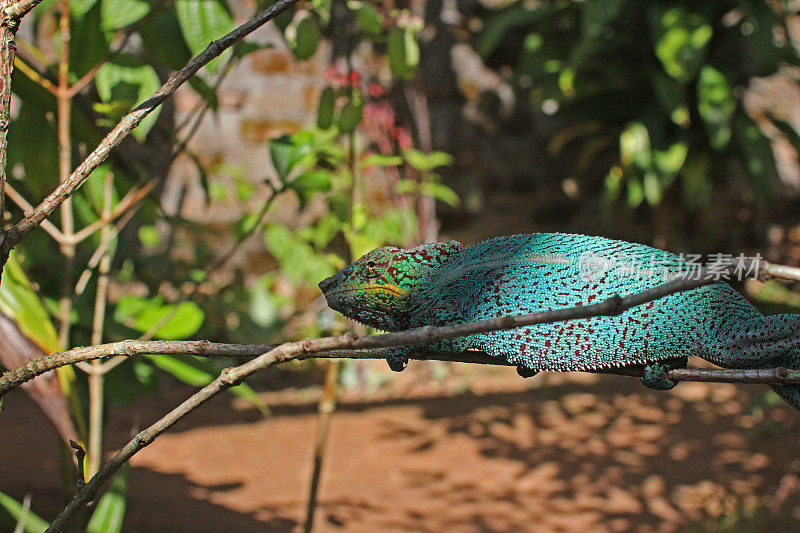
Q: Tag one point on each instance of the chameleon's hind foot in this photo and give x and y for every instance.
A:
(655, 377)
(397, 359)
(526, 372)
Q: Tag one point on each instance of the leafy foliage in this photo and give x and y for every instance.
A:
(661, 77)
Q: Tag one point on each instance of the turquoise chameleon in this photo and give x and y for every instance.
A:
(395, 289)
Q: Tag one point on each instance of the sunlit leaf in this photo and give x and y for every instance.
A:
(716, 105)
(203, 21)
(127, 79)
(120, 13)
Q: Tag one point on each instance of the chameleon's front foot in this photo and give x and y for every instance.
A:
(526, 372)
(398, 359)
(655, 377)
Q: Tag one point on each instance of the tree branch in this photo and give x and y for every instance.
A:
(129, 122)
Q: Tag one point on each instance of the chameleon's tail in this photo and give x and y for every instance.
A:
(752, 340)
(790, 393)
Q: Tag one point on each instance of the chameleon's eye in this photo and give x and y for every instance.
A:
(375, 264)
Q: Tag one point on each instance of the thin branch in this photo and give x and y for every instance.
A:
(23, 204)
(129, 122)
(8, 47)
(64, 114)
(19, 9)
(425, 335)
(31, 72)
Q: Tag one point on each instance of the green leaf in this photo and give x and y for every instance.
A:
(350, 116)
(149, 236)
(367, 17)
(327, 103)
(634, 146)
(288, 152)
(127, 79)
(203, 21)
(716, 105)
(681, 39)
(163, 38)
(670, 161)
(756, 153)
(424, 162)
(403, 53)
(19, 302)
(441, 192)
(652, 188)
(309, 183)
(115, 14)
(380, 160)
(79, 8)
(303, 35)
(672, 97)
(110, 511)
(32, 524)
(142, 314)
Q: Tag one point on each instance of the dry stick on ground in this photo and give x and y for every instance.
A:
(128, 123)
(417, 337)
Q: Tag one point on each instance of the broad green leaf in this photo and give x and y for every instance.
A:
(423, 162)
(79, 8)
(441, 192)
(327, 103)
(681, 39)
(127, 79)
(110, 511)
(303, 35)
(32, 524)
(163, 38)
(149, 236)
(635, 192)
(670, 161)
(309, 183)
(20, 303)
(351, 115)
(94, 189)
(716, 105)
(142, 314)
(287, 152)
(367, 17)
(115, 14)
(403, 53)
(203, 21)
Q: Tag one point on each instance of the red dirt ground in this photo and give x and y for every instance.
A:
(482, 450)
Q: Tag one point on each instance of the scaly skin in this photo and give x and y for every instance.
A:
(445, 283)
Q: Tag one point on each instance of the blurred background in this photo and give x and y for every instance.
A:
(347, 125)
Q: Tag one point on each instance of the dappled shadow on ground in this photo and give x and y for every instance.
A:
(559, 452)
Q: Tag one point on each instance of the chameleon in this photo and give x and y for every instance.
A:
(394, 289)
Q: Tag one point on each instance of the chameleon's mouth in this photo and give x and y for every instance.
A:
(386, 287)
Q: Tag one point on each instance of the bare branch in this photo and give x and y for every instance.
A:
(130, 121)
(17, 10)
(8, 48)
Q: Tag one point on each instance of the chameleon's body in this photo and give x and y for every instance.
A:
(444, 283)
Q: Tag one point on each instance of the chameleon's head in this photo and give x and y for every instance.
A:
(378, 289)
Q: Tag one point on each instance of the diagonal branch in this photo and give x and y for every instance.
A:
(129, 122)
